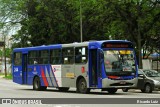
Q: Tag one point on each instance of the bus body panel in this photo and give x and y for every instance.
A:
(17, 74)
(68, 75)
(82, 70)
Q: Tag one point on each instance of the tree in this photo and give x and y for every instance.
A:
(46, 22)
(135, 19)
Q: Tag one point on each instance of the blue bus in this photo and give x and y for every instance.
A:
(108, 65)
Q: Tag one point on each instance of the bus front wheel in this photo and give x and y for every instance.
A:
(82, 86)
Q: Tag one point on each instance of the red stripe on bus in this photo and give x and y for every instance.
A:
(113, 77)
(44, 77)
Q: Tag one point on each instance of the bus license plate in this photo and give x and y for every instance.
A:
(122, 82)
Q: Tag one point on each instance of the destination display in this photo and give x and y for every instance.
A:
(117, 45)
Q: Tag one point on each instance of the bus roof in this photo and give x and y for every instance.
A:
(43, 47)
(56, 46)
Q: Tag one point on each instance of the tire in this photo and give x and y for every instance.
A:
(63, 89)
(143, 90)
(125, 89)
(148, 88)
(36, 84)
(82, 86)
(112, 90)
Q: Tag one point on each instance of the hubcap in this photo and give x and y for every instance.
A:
(147, 88)
(36, 83)
(83, 86)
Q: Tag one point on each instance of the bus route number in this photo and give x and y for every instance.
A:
(15, 69)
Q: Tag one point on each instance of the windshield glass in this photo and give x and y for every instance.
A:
(151, 73)
(119, 61)
(140, 71)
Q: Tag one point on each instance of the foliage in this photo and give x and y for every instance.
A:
(46, 22)
(9, 76)
(8, 52)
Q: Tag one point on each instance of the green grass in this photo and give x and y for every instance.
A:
(9, 76)
(1, 73)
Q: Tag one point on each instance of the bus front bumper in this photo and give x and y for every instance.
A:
(108, 83)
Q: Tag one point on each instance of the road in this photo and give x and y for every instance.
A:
(8, 89)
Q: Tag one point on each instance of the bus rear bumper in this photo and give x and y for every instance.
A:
(108, 83)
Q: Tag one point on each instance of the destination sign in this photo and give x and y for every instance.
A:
(117, 45)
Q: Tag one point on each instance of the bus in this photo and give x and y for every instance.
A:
(108, 65)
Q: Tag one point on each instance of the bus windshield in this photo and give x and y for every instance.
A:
(118, 61)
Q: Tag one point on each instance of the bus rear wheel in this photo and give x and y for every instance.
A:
(37, 85)
(82, 86)
(112, 90)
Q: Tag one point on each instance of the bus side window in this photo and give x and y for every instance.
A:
(55, 56)
(17, 58)
(33, 57)
(81, 54)
(44, 57)
(68, 55)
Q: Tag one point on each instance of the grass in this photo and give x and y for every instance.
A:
(9, 76)
(1, 74)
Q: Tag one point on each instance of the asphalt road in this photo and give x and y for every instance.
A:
(8, 89)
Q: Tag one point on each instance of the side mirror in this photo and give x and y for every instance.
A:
(141, 75)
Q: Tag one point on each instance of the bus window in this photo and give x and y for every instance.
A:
(81, 55)
(68, 55)
(17, 58)
(33, 57)
(55, 56)
(44, 57)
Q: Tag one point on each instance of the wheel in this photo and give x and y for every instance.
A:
(36, 84)
(82, 86)
(63, 88)
(125, 89)
(142, 90)
(112, 90)
(148, 88)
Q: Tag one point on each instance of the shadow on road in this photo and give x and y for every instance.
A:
(74, 92)
(154, 92)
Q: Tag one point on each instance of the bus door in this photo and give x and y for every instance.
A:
(24, 68)
(93, 68)
(17, 67)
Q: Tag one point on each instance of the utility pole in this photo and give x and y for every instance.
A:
(81, 30)
(139, 48)
(139, 39)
